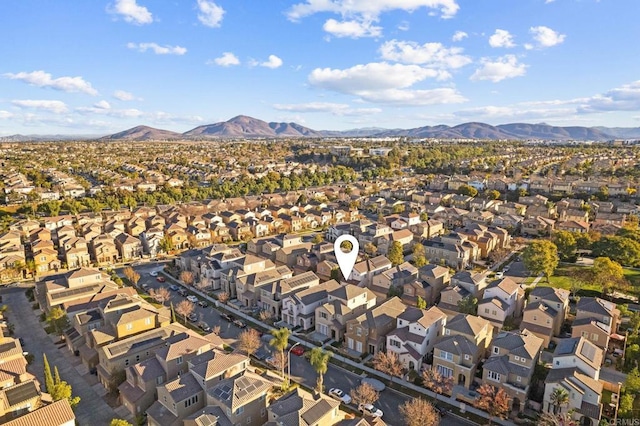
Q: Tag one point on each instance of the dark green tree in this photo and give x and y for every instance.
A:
(541, 257)
(48, 378)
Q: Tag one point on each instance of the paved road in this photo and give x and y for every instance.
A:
(301, 370)
(92, 409)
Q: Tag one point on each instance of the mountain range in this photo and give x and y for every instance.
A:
(248, 127)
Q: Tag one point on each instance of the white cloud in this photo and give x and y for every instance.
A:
(132, 12)
(121, 95)
(384, 82)
(273, 62)
(102, 105)
(5, 114)
(226, 60)
(546, 37)
(404, 26)
(501, 38)
(157, 49)
(500, 69)
(515, 112)
(352, 29)
(210, 14)
(327, 107)
(57, 107)
(44, 79)
(624, 98)
(432, 54)
(369, 9)
(459, 35)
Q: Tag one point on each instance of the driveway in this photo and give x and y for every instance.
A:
(92, 409)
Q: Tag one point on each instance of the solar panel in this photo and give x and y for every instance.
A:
(21, 393)
(6, 347)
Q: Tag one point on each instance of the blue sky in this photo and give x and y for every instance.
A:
(97, 67)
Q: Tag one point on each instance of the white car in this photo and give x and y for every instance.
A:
(370, 410)
(192, 298)
(153, 273)
(338, 394)
(499, 275)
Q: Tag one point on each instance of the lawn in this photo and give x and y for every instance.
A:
(562, 279)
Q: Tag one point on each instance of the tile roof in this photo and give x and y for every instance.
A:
(239, 390)
(469, 325)
(56, 414)
(183, 387)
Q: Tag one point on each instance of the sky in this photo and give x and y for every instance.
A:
(98, 67)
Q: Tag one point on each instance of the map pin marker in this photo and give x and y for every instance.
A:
(346, 261)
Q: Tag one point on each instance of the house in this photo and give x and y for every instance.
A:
(576, 369)
(503, 299)
(54, 290)
(363, 272)
(432, 279)
(343, 304)
(596, 320)
(103, 249)
(463, 345)
(415, 335)
(581, 227)
(299, 407)
(58, 413)
(514, 356)
(546, 303)
(272, 294)
(367, 332)
(394, 278)
(128, 247)
(299, 309)
(538, 226)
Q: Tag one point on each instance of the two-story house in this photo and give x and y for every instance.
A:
(464, 344)
(344, 303)
(415, 335)
(503, 299)
(298, 407)
(299, 308)
(545, 313)
(367, 332)
(514, 356)
(596, 320)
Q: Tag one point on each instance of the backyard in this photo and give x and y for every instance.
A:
(562, 278)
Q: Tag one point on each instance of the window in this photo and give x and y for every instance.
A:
(493, 376)
(467, 357)
(395, 343)
(248, 419)
(486, 310)
(137, 358)
(518, 379)
(323, 315)
(494, 313)
(147, 321)
(190, 401)
(239, 411)
(446, 355)
(159, 381)
(585, 334)
(446, 331)
(179, 360)
(594, 337)
(358, 331)
(517, 358)
(129, 326)
(535, 318)
(126, 362)
(496, 350)
(263, 412)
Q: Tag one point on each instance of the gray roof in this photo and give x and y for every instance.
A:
(239, 390)
(458, 345)
(520, 343)
(595, 306)
(550, 294)
(469, 325)
(210, 415)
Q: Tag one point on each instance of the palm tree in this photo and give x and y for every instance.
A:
(279, 342)
(319, 361)
(559, 397)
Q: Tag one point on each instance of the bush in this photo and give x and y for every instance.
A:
(35, 306)
(30, 296)
(43, 317)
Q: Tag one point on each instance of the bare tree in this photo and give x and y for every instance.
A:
(160, 295)
(186, 277)
(494, 401)
(364, 394)
(131, 275)
(265, 315)
(419, 412)
(184, 308)
(249, 341)
(437, 382)
(223, 297)
(388, 363)
(216, 330)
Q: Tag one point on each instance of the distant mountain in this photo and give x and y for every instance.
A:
(621, 132)
(243, 126)
(42, 138)
(144, 133)
(249, 127)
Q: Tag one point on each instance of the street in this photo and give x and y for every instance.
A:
(301, 370)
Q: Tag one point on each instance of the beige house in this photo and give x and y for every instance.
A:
(465, 342)
(514, 356)
(367, 333)
(299, 407)
(344, 303)
(597, 320)
(432, 279)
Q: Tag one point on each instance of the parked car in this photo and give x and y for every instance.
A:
(173, 287)
(193, 317)
(375, 383)
(226, 317)
(160, 279)
(145, 287)
(204, 327)
(192, 299)
(339, 394)
(182, 292)
(499, 274)
(370, 410)
(202, 303)
(239, 323)
(298, 350)
(441, 410)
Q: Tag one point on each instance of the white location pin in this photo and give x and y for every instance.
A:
(346, 261)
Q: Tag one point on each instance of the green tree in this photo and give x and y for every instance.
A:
(319, 360)
(57, 319)
(626, 404)
(173, 314)
(395, 253)
(56, 375)
(166, 244)
(63, 390)
(279, 342)
(467, 190)
(370, 249)
(492, 194)
(558, 398)
(541, 257)
(317, 239)
(632, 382)
(48, 378)
(421, 303)
(52, 208)
(566, 244)
(620, 249)
(609, 275)
(424, 217)
(468, 305)
(419, 258)
(119, 422)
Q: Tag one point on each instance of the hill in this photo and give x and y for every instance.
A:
(249, 127)
(144, 133)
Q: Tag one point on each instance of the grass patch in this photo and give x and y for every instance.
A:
(633, 276)
(562, 278)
